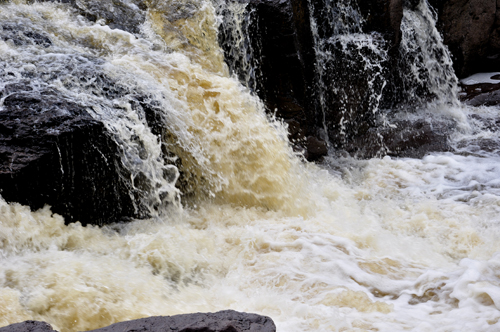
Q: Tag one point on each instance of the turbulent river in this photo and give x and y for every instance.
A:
(345, 245)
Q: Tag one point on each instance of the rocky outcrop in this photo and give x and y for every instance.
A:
(404, 138)
(471, 30)
(222, 321)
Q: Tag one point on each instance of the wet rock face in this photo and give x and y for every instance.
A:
(471, 30)
(281, 41)
(383, 16)
(222, 321)
(52, 149)
(52, 152)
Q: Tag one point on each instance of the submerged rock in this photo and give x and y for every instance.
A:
(222, 321)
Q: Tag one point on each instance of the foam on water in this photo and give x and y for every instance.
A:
(388, 245)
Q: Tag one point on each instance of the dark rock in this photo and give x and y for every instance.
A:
(315, 148)
(281, 47)
(383, 16)
(222, 321)
(471, 30)
(53, 151)
(64, 159)
(28, 326)
(490, 98)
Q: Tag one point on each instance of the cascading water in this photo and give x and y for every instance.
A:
(349, 68)
(240, 56)
(388, 245)
(429, 71)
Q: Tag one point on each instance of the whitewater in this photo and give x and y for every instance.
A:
(386, 244)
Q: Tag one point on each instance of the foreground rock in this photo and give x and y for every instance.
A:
(222, 321)
(28, 326)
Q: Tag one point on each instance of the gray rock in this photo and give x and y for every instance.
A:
(28, 326)
(222, 321)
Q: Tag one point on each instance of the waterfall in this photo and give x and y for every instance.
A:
(427, 65)
(349, 68)
(235, 37)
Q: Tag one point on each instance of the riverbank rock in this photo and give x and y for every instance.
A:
(471, 30)
(481, 89)
(222, 321)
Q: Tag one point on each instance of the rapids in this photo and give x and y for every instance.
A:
(345, 245)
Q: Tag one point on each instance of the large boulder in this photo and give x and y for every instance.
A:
(54, 148)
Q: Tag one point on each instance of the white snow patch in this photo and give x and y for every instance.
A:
(481, 78)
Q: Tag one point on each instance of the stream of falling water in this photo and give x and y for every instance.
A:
(376, 245)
